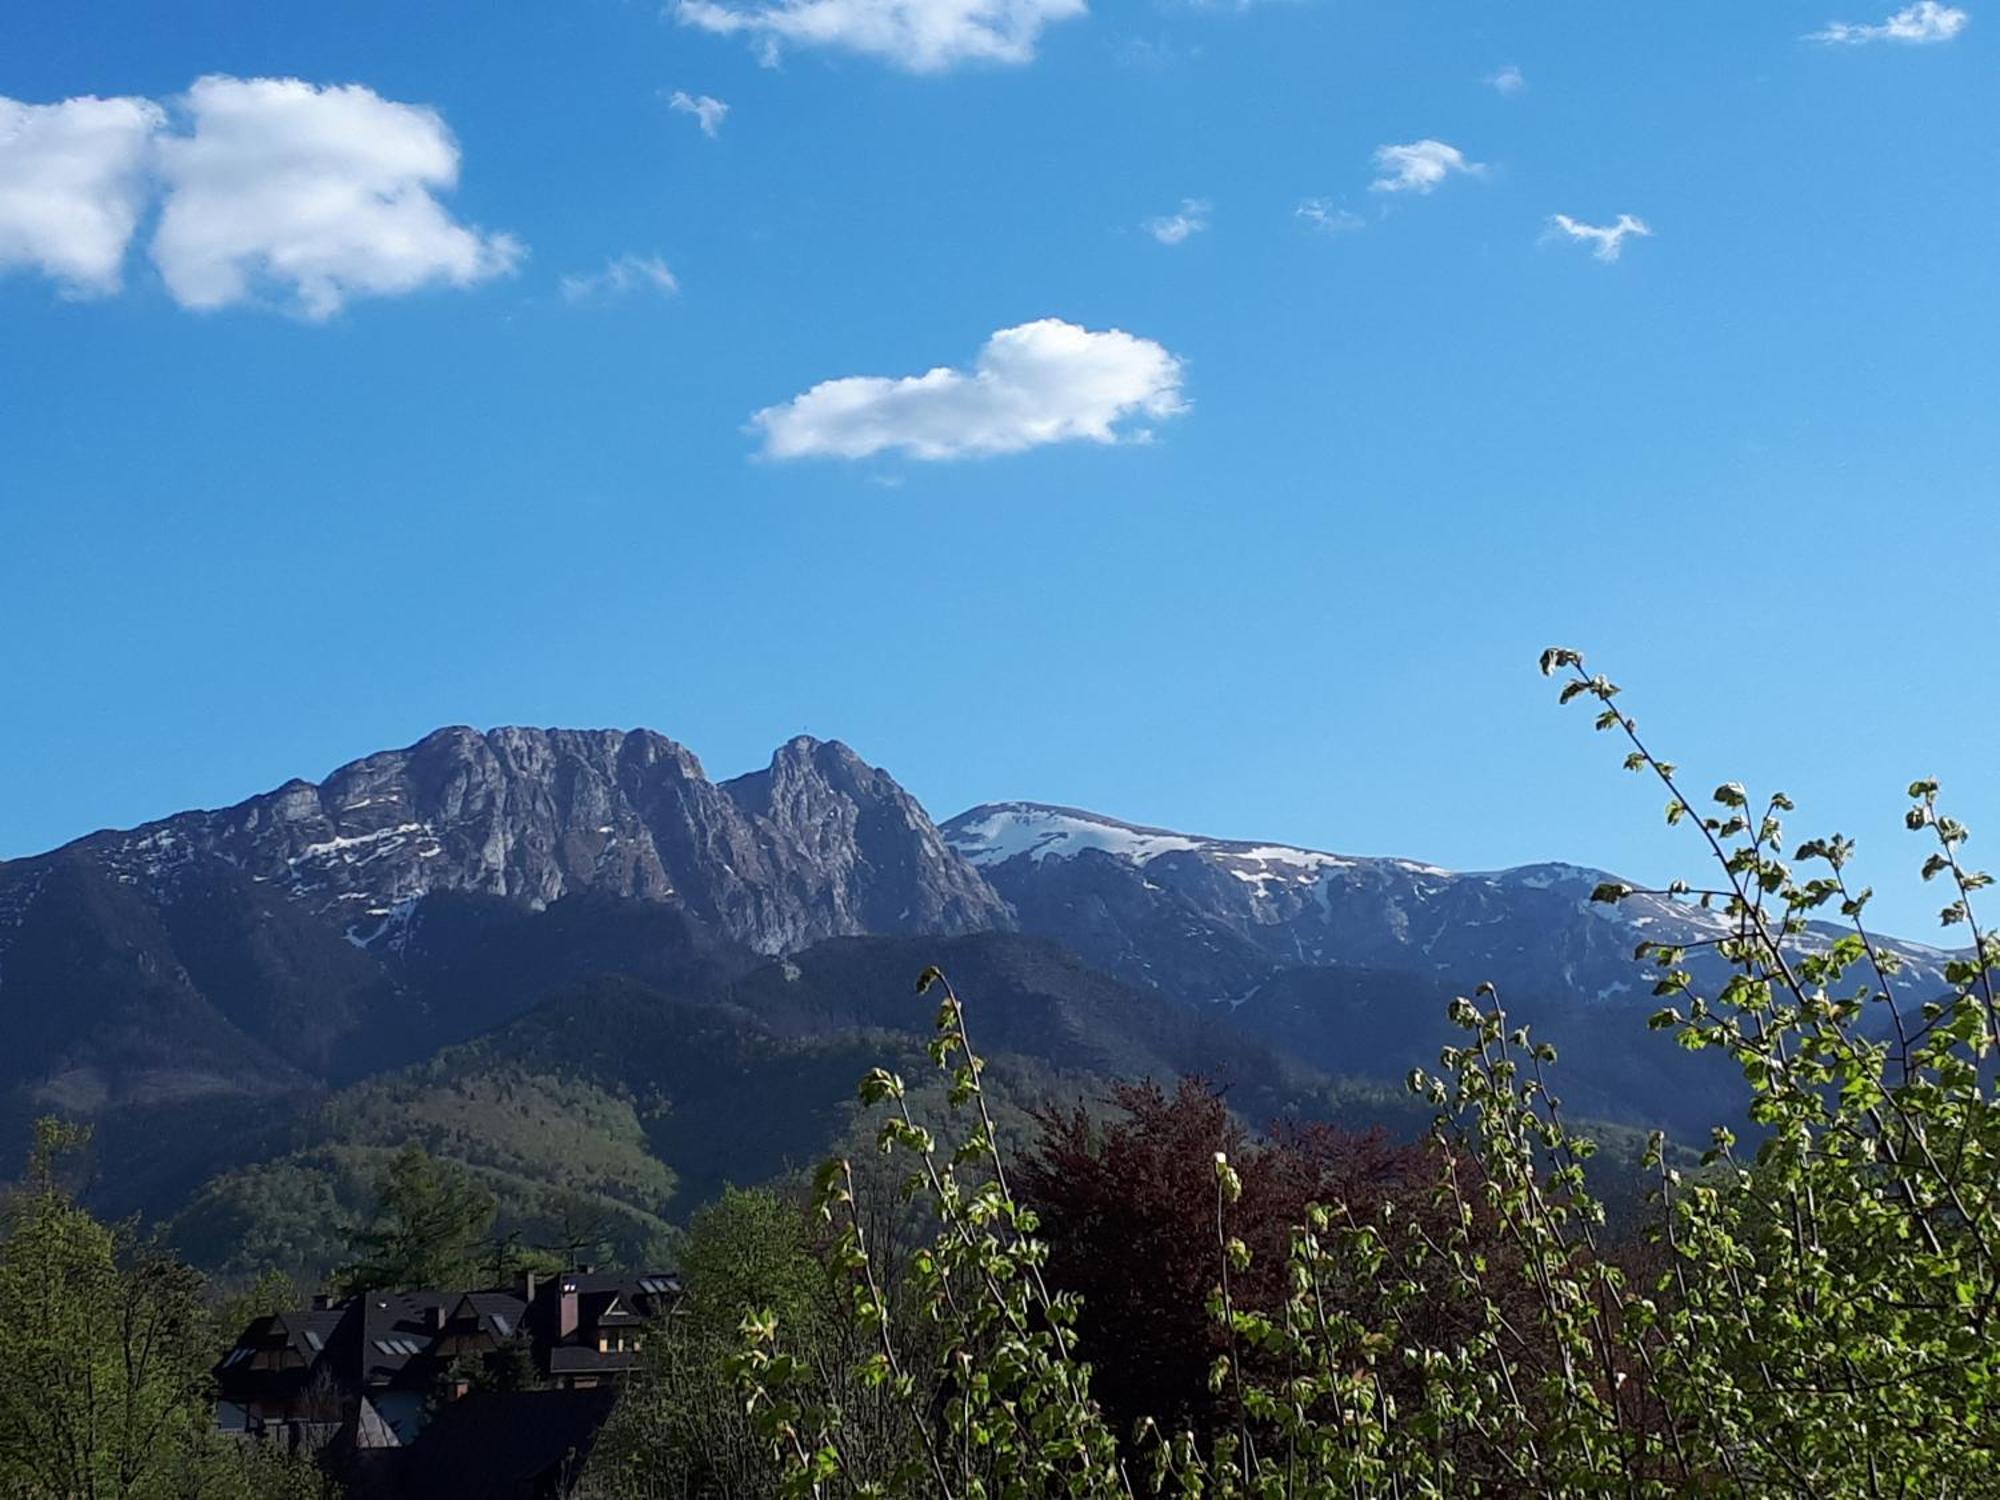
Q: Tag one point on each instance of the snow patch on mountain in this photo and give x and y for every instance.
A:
(391, 922)
(992, 835)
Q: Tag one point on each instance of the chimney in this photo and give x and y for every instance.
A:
(566, 1309)
(527, 1286)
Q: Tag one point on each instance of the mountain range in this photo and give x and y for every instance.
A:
(301, 976)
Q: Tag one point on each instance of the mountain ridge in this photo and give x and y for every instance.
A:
(1124, 894)
(323, 932)
(322, 928)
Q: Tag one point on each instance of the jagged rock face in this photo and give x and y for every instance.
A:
(856, 851)
(420, 895)
(818, 845)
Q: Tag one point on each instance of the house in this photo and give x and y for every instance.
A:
(371, 1371)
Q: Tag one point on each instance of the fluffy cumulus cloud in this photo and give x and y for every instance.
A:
(1175, 228)
(621, 276)
(708, 113)
(1042, 382)
(320, 194)
(72, 185)
(1926, 21)
(921, 36)
(1605, 240)
(264, 186)
(1419, 167)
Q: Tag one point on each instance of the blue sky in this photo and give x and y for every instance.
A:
(1364, 461)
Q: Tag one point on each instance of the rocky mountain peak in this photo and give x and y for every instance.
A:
(818, 844)
(867, 847)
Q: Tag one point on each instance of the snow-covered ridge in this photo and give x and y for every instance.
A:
(1001, 831)
(991, 835)
(1309, 906)
(997, 832)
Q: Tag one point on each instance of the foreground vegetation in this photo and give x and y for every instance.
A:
(105, 1349)
(1812, 1318)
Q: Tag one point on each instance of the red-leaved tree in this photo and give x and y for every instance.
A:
(1128, 1206)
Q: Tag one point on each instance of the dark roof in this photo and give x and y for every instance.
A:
(397, 1330)
(497, 1313)
(523, 1445)
(609, 1308)
(276, 1354)
(630, 1284)
(583, 1359)
(406, 1340)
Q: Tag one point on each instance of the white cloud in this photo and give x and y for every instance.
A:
(72, 184)
(1419, 167)
(1606, 239)
(708, 113)
(620, 277)
(324, 193)
(1150, 55)
(1174, 228)
(1328, 219)
(1509, 80)
(1926, 21)
(922, 36)
(1042, 382)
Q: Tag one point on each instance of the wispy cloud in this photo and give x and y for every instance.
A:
(1926, 21)
(708, 113)
(1151, 55)
(1419, 167)
(919, 36)
(1507, 80)
(1327, 217)
(1174, 228)
(1043, 382)
(621, 277)
(1606, 240)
